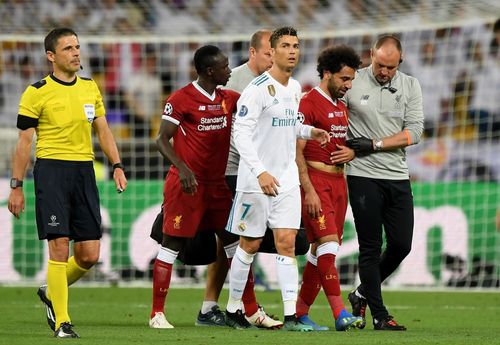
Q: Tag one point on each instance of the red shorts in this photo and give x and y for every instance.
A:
(184, 214)
(332, 191)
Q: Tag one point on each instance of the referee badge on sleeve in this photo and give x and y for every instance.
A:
(89, 110)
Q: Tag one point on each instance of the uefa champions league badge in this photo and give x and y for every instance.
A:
(243, 111)
(300, 117)
(168, 110)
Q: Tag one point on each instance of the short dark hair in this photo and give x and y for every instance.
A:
(332, 59)
(205, 57)
(256, 40)
(52, 37)
(389, 37)
(280, 32)
(496, 26)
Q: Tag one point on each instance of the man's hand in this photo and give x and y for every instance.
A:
(268, 184)
(188, 180)
(312, 203)
(120, 180)
(320, 135)
(342, 155)
(16, 202)
(361, 145)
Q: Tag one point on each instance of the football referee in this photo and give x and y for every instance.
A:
(385, 116)
(61, 109)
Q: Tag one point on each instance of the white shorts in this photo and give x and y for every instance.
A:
(253, 213)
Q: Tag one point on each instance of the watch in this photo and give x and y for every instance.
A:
(14, 183)
(378, 144)
(118, 166)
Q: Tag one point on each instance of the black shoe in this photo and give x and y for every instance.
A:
(49, 310)
(358, 305)
(237, 320)
(66, 331)
(215, 317)
(387, 324)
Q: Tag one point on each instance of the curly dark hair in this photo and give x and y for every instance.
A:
(333, 58)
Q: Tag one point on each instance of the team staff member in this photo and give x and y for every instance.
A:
(265, 134)
(196, 197)
(323, 186)
(62, 108)
(385, 116)
(259, 61)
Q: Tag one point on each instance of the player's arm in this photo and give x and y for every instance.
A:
(312, 133)
(108, 146)
(167, 130)
(20, 160)
(250, 106)
(343, 154)
(312, 202)
(413, 127)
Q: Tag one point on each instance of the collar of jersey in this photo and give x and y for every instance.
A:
(59, 81)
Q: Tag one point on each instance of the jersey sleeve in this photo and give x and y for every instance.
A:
(30, 104)
(250, 107)
(173, 109)
(99, 104)
(414, 115)
(306, 114)
(232, 100)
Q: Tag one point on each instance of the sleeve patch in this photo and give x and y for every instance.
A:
(39, 84)
(25, 122)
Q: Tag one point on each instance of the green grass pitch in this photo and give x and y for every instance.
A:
(119, 316)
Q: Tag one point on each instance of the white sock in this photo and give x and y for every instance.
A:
(167, 255)
(230, 249)
(238, 275)
(288, 278)
(313, 259)
(207, 306)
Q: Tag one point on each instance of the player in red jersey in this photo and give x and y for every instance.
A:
(323, 186)
(198, 118)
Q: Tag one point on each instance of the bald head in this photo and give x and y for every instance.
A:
(386, 56)
(259, 59)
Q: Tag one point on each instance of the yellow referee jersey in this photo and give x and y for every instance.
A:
(65, 112)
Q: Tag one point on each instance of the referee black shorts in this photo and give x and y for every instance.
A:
(67, 200)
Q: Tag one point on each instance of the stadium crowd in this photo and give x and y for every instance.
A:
(459, 68)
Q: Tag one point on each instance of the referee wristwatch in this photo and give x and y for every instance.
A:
(15, 183)
(118, 166)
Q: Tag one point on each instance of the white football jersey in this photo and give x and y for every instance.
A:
(266, 131)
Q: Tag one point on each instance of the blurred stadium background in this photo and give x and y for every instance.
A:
(140, 51)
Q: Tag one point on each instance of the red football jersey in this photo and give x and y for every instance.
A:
(204, 132)
(320, 111)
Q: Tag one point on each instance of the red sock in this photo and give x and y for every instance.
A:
(162, 273)
(330, 282)
(248, 298)
(309, 289)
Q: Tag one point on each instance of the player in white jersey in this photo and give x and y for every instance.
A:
(265, 133)
(259, 61)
